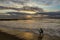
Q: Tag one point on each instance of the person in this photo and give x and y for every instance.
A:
(40, 34)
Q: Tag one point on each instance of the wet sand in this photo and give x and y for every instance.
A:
(6, 36)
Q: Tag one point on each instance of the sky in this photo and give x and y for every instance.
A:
(46, 5)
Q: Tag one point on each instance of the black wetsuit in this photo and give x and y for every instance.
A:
(40, 34)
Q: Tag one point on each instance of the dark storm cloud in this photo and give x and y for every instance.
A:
(24, 8)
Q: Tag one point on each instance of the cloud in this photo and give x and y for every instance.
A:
(36, 9)
(35, 3)
(44, 2)
(49, 2)
(24, 2)
(13, 1)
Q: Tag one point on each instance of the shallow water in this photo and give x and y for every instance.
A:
(50, 26)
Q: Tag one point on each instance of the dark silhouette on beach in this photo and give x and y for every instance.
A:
(40, 34)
